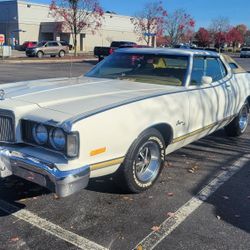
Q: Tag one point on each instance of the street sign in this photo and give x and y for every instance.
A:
(2, 39)
(149, 34)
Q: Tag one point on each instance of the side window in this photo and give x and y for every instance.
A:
(52, 44)
(223, 68)
(198, 70)
(213, 69)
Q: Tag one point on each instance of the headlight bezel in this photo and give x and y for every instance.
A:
(28, 137)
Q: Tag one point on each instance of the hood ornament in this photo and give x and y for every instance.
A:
(2, 94)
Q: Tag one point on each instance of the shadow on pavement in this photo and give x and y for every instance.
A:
(105, 184)
(15, 189)
(93, 62)
(231, 201)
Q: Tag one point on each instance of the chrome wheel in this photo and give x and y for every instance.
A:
(243, 118)
(148, 162)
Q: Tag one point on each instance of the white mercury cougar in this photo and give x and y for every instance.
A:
(122, 117)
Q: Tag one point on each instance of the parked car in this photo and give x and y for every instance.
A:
(27, 45)
(182, 46)
(245, 52)
(123, 117)
(52, 48)
(65, 43)
(102, 52)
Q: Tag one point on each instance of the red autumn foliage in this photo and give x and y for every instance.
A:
(150, 20)
(203, 37)
(242, 28)
(220, 38)
(234, 36)
(178, 27)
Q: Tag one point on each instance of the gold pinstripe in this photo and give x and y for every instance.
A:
(106, 163)
(119, 160)
(183, 137)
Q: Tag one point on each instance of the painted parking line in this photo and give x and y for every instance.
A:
(49, 227)
(170, 224)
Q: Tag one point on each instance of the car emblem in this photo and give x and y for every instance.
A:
(2, 94)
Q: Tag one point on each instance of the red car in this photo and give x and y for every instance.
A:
(28, 45)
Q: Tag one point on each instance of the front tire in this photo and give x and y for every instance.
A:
(143, 162)
(239, 124)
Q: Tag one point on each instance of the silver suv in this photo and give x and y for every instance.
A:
(52, 48)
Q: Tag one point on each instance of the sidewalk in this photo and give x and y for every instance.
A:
(20, 57)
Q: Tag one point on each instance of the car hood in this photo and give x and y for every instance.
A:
(80, 95)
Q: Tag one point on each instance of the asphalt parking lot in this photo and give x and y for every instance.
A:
(174, 214)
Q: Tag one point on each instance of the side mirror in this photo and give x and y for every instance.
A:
(206, 80)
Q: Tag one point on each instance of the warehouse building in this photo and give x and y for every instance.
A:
(22, 21)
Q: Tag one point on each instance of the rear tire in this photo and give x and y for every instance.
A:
(143, 162)
(100, 58)
(239, 124)
(61, 53)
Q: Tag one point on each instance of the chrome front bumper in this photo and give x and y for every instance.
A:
(44, 173)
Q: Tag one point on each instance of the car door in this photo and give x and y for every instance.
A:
(210, 104)
(201, 97)
(224, 88)
(51, 48)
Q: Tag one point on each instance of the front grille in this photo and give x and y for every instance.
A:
(7, 126)
(26, 128)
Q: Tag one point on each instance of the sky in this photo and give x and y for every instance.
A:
(203, 11)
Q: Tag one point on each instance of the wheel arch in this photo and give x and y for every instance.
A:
(248, 101)
(165, 130)
(39, 51)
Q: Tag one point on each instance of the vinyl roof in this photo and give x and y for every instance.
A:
(169, 51)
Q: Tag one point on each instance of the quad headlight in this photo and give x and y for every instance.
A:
(57, 138)
(40, 134)
(51, 137)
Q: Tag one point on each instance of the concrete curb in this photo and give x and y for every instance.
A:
(47, 60)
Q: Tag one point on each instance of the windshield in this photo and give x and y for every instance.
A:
(146, 68)
(40, 44)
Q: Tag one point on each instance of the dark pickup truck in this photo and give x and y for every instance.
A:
(101, 52)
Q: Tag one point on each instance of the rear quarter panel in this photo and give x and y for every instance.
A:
(241, 87)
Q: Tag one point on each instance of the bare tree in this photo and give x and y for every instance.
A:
(220, 24)
(177, 26)
(149, 21)
(218, 30)
(77, 15)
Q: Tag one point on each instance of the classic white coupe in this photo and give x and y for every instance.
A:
(122, 117)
